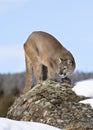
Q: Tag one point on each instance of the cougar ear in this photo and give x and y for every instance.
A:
(59, 60)
(69, 62)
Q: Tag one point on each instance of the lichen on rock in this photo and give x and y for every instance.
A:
(55, 104)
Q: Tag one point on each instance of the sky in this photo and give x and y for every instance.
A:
(70, 21)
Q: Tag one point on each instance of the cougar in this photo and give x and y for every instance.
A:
(44, 50)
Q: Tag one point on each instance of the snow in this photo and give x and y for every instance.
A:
(8, 124)
(85, 88)
(88, 101)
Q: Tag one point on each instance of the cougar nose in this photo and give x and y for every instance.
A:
(64, 74)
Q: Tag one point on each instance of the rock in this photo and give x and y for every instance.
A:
(55, 104)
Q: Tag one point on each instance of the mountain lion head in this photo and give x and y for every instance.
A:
(65, 67)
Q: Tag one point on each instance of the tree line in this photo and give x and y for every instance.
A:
(9, 81)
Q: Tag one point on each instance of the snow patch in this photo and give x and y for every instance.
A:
(8, 124)
(85, 88)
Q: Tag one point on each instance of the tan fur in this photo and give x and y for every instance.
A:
(43, 49)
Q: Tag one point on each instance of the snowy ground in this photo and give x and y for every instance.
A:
(7, 124)
(84, 88)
